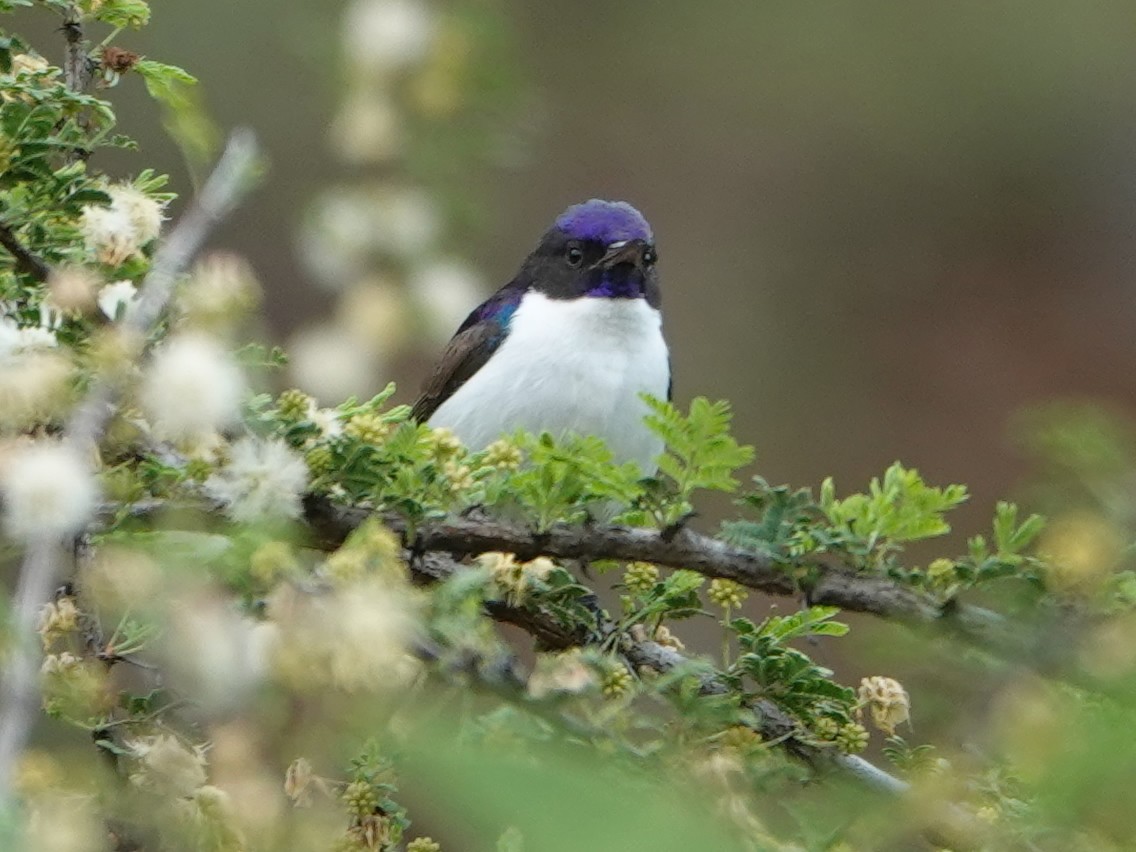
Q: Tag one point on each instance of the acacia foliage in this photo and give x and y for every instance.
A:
(217, 675)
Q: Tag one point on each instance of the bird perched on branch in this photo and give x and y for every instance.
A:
(565, 347)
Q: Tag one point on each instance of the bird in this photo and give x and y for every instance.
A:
(568, 346)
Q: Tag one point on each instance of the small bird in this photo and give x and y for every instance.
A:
(567, 346)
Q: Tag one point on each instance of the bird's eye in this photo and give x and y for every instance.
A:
(574, 255)
(650, 256)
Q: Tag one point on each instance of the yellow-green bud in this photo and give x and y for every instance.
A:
(640, 577)
(727, 594)
(424, 844)
(377, 542)
(503, 455)
(293, 404)
(320, 459)
(361, 798)
(616, 682)
(942, 576)
(368, 428)
(444, 443)
(459, 475)
(826, 728)
(741, 739)
(852, 738)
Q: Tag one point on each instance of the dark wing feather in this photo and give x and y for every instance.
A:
(467, 353)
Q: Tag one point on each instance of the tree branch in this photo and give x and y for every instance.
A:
(41, 565)
(774, 723)
(835, 586)
(947, 823)
(25, 260)
(77, 66)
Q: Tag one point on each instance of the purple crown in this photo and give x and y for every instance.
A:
(604, 221)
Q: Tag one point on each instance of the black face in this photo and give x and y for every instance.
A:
(566, 268)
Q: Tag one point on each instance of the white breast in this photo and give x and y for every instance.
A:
(569, 366)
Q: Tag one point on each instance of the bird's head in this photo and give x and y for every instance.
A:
(598, 249)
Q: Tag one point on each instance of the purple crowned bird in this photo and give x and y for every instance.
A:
(567, 346)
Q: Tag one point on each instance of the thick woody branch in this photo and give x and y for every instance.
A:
(832, 586)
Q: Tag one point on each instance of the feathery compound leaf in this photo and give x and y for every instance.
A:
(185, 118)
(902, 508)
(1009, 537)
(121, 13)
(700, 452)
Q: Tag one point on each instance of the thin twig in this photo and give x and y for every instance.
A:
(77, 67)
(41, 567)
(26, 261)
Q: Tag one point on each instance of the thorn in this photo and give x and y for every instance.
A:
(670, 531)
(476, 512)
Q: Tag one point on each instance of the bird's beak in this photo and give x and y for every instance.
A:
(624, 251)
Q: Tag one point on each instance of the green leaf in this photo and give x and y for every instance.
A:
(700, 452)
(901, 508)
(185, 117)
(814, 621)
(1010, 537)
(134, 14)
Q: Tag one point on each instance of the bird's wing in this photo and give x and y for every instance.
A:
(467, 353)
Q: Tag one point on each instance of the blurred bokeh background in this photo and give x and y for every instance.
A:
(887, 229)
(884, 226)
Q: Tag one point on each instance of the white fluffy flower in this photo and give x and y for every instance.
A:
(355, 639)
(145, 213)
(115, 232)
(119, 296)
(166, 766)
(109, 234)
(329, 364)
(382, 35)
(72, 288)
(15, 340)
(367, 128)
(408, 222)
(33, 386)
(192, 388)
(327, 420)
(263, 480)
(48, 492)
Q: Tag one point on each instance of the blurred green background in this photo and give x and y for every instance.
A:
(884, 226)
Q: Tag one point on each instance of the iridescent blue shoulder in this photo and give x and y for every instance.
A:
(498, 308)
